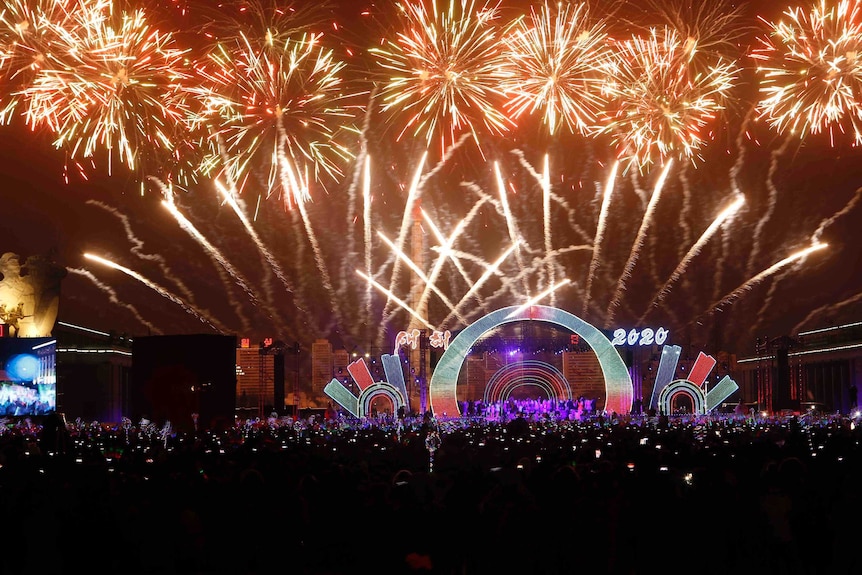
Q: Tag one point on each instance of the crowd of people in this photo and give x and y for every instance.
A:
(468, 495)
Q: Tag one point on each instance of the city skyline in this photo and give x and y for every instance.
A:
(715, 259)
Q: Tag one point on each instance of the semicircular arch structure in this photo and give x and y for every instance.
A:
(527, 373)
(378, 389)
(442, 389)
(684, 387)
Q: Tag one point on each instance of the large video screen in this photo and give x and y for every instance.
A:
(28, 376)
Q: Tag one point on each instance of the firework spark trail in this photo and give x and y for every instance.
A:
(544, 181)
(361, 179)
(637, 245)
(735, 294)
(684, 220)
(479, 283)
(138, 246)
(511, 224)
(447, 157)
(223, 265)
(692, 252)
(413, 195)
(600, 232)
(229, 194)
(224, 268)
(854, 201)
(770, 207)
(815, 238)
(298, 187)
(572, 248)
(770, 294)
(394, 298)
(636, 179)
(292, 180)
(420, 273)
(336, 316)
(270, 259)
(410, 214)
(468, 219)
(539, 297)
(366, 226)
(556, 198)
(202, 315)
(828, 310)
(466, 256)
(112, 297)
(727, 235)
(509, 285)
(444, 250)
(546, 223)
(442, 257)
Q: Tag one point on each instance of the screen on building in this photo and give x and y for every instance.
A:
(28, 376)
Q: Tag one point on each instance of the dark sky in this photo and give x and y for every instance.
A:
(793, 187)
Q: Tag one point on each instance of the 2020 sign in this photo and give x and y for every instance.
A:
(646, 336)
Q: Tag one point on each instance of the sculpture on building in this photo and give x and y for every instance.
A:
(29, 294)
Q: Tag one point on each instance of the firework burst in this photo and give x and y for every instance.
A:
(660, 103)
(273, 103)
(556, 63)
(811, 71)
(444, 72)
(708, 29)
(27, 34)
(114, 87)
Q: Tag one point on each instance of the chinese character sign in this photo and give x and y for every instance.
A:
(411, 338)
(440, 339)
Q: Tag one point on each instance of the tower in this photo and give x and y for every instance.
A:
(419, 358)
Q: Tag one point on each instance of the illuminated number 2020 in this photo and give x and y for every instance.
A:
(634, 337)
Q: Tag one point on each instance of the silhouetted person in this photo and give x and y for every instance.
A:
(54, 437)
(663, 420)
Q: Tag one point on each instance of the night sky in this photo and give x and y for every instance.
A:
(300, 286)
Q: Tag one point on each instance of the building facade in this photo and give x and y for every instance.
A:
(818, 370)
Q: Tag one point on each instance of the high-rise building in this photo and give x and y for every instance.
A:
(321, 366)
(255, 381)
(420, 369)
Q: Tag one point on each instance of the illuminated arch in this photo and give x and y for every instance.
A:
(393, 388)
(684, 387)
(444, 381)
(695, 385)
(527, 373)
(380, 388)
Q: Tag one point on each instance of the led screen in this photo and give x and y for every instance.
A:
(28, 376)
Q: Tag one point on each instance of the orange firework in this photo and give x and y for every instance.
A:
(113, 89)
(811, 71)
(273, 103)
(27, 33)
(444, 71)
(661, 103)
(556, 64)
(708, 29)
